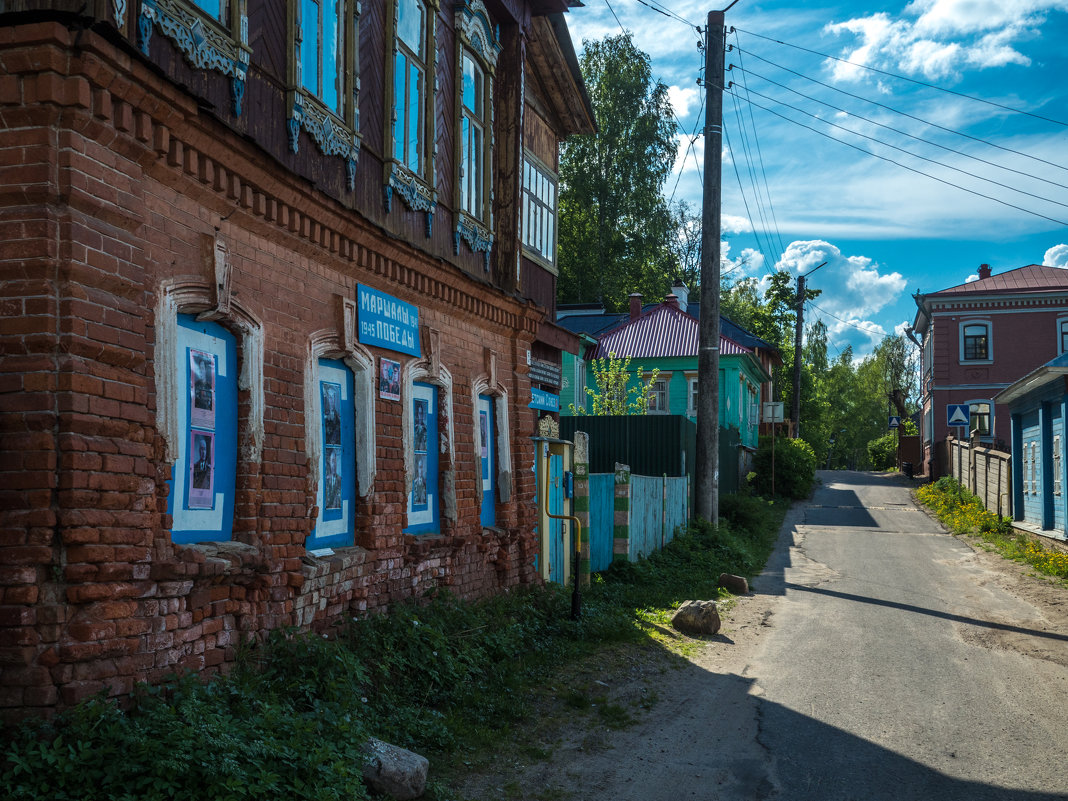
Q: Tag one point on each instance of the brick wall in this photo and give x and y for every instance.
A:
(113, 187)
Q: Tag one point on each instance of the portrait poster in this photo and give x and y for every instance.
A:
(201, 469)
(201, 389)
(483, 429)
(419, 491)
(331, 398)
(389, 379)
(332, 478)
(420, 411)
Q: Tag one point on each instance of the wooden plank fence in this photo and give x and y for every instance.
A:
(984, 471)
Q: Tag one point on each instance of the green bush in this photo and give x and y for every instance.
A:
(795, 467)
(883, 451)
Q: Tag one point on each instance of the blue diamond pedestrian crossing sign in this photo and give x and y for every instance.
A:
(957, 414)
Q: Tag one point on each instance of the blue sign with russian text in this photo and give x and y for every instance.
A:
(546, 401)
(386, 322)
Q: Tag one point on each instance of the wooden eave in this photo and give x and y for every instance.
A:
(552, 60)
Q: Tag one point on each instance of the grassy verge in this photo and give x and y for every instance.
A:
(449, 679)
(963, 513)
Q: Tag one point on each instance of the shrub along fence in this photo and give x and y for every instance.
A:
(983, 471)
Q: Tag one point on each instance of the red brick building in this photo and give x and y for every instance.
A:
(978, 338)
(266, 283)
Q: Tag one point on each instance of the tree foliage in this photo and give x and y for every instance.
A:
(616, 393)
(616, 229)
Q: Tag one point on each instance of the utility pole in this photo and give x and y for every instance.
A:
(799, 327)
(706, 469)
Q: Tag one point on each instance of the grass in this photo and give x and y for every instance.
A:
(963, 513)
(449, 679)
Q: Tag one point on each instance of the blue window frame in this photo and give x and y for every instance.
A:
(203, 481)
(335, 525)
(423, 500)
(487, 452)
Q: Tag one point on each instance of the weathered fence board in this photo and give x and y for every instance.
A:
(984, 471)
(602, 519)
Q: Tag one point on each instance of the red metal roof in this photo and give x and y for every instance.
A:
(661, 332)
(1032, 278)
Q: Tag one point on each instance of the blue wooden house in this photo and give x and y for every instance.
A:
(1038, 407)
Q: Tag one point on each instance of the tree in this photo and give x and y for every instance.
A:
(616, 229)
(615, 394)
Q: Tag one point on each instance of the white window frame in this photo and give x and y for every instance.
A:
(1062, 334)
(541, 198)
(990, 419)
(964, 326)
(665, 395)
(691, 394)
(1057, 464)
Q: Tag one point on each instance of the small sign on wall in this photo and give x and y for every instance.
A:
(386, 322)
(389, 379)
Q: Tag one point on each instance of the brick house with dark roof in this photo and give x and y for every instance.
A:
(979, 337)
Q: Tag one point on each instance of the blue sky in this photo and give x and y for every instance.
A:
(885, 231)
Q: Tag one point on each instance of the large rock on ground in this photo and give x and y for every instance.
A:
(696, 618)
(394, 771)
(734, 584)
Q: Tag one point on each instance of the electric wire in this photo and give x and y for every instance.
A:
(758, 201)
(760, 158)
(907, 167)
(896, 130)
(761, 248)
(904, 78)
(873, 331)
(906, 114)
(906, 152)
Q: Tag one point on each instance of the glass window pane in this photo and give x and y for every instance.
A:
(331, 69)
(469, 91)
(214, 8)
(476, 171)
(400, 125)
(415, 118)
(410, 25)
(309, 46)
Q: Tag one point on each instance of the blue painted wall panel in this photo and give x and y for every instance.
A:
(602, 519)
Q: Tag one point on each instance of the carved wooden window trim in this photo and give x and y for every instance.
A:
(336, 130)
(216, 43)
(415, 187)
(478, 43)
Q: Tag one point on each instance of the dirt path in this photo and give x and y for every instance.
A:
(682, 720)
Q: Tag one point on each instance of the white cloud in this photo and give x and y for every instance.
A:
(1056, 256)
(733, 224)
(683, 99)
(972, 277)
(936, 38)
(853, 289)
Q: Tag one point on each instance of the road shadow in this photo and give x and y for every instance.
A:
(970, 621)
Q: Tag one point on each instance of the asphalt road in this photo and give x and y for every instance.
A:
(877, 658)
(876, 681)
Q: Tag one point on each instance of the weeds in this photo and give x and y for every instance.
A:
(963, 513)
(447, 678)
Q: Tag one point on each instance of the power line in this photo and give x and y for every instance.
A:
(760, 247)
(757, 199)
(905, 78)
(760, 157)
(895, 130)
(910, 169)
(660, 8)
(879, 331)
(906, 152)
(904, 113)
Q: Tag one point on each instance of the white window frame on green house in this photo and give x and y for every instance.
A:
(324, 80)
(540, 203)
(659, 398)
(691, 394)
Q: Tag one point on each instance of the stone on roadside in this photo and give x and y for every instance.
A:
(736, 585)
(394, 771)
(696, 618)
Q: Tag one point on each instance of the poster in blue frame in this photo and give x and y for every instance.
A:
(336, 499)
(204, 476)
(423, 501)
